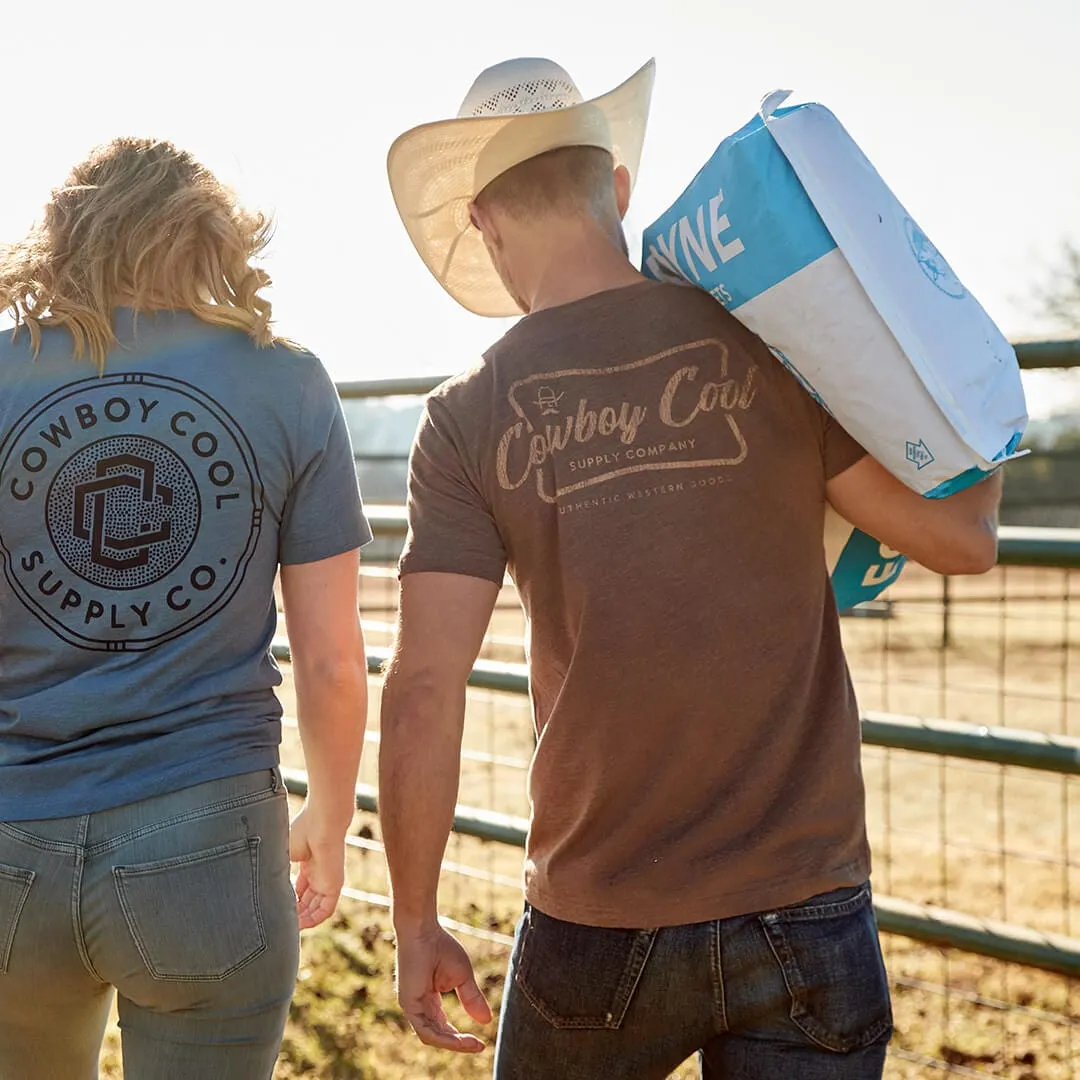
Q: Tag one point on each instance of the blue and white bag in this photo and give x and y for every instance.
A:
(789, 226)
(860, 567)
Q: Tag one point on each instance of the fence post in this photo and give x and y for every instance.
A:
(946, 609)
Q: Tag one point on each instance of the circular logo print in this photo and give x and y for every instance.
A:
(932, 262)
(130, 506)
(123, 512)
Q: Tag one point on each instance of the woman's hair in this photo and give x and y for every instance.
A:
(138, 224)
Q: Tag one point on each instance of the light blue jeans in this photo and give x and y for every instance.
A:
(182, 903)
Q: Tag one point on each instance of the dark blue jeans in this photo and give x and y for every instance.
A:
(799, 993)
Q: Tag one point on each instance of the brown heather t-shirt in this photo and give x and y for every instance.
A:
(655, 483)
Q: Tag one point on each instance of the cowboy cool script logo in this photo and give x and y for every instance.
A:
(130, 506)
(569, 437)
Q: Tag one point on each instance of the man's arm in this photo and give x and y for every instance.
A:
(442, 618)
(330, 675)
(956, 535)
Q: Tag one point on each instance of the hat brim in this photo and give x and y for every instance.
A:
(437, 169)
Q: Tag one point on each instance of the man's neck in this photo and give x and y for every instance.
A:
(571, 264)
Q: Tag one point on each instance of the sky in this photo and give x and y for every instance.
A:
(964, 106)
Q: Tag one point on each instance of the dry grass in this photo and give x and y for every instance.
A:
(345, 1023)
(1000, 843)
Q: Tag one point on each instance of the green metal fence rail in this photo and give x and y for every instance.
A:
(936, 926)
(1017, 545)
(1032, 356)
(946, 738)
(1024, 546)
(931, 925)
(1040, 355)
(974, 742)
(983, 937)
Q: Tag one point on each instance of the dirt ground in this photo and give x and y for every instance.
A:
(999, 843)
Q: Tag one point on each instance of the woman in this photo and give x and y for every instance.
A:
(161, 455)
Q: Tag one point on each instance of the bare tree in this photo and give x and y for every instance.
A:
(1061, 299)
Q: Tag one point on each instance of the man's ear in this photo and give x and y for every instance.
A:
(481, 219)
(487, 224)
(622, 190)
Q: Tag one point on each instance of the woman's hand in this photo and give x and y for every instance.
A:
(318, 845)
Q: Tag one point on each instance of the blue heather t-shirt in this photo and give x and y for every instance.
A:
(143, 515)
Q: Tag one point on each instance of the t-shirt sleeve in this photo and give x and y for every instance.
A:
(324, 514)
(451, 527)
(839, 450)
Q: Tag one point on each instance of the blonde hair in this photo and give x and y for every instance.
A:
(138, 224)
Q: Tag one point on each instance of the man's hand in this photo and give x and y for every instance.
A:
(319, 847)
(431, 963)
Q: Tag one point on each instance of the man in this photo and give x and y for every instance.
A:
(697, 865)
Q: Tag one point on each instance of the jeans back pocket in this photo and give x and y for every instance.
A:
(580, 976)
(830, 955)
(195, 917)
(15, 885)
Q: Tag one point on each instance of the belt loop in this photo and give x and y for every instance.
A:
(275, 781)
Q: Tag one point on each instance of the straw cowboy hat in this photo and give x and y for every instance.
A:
(514, 111)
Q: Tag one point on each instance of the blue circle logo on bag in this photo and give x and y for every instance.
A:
(932, 262)
(130, 506)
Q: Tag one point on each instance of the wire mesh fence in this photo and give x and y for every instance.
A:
(995, 843)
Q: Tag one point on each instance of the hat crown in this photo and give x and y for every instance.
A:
(526, 85)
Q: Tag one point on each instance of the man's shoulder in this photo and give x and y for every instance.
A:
(677, 295)
(461, 394)
(682, 299)
(526, 349)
